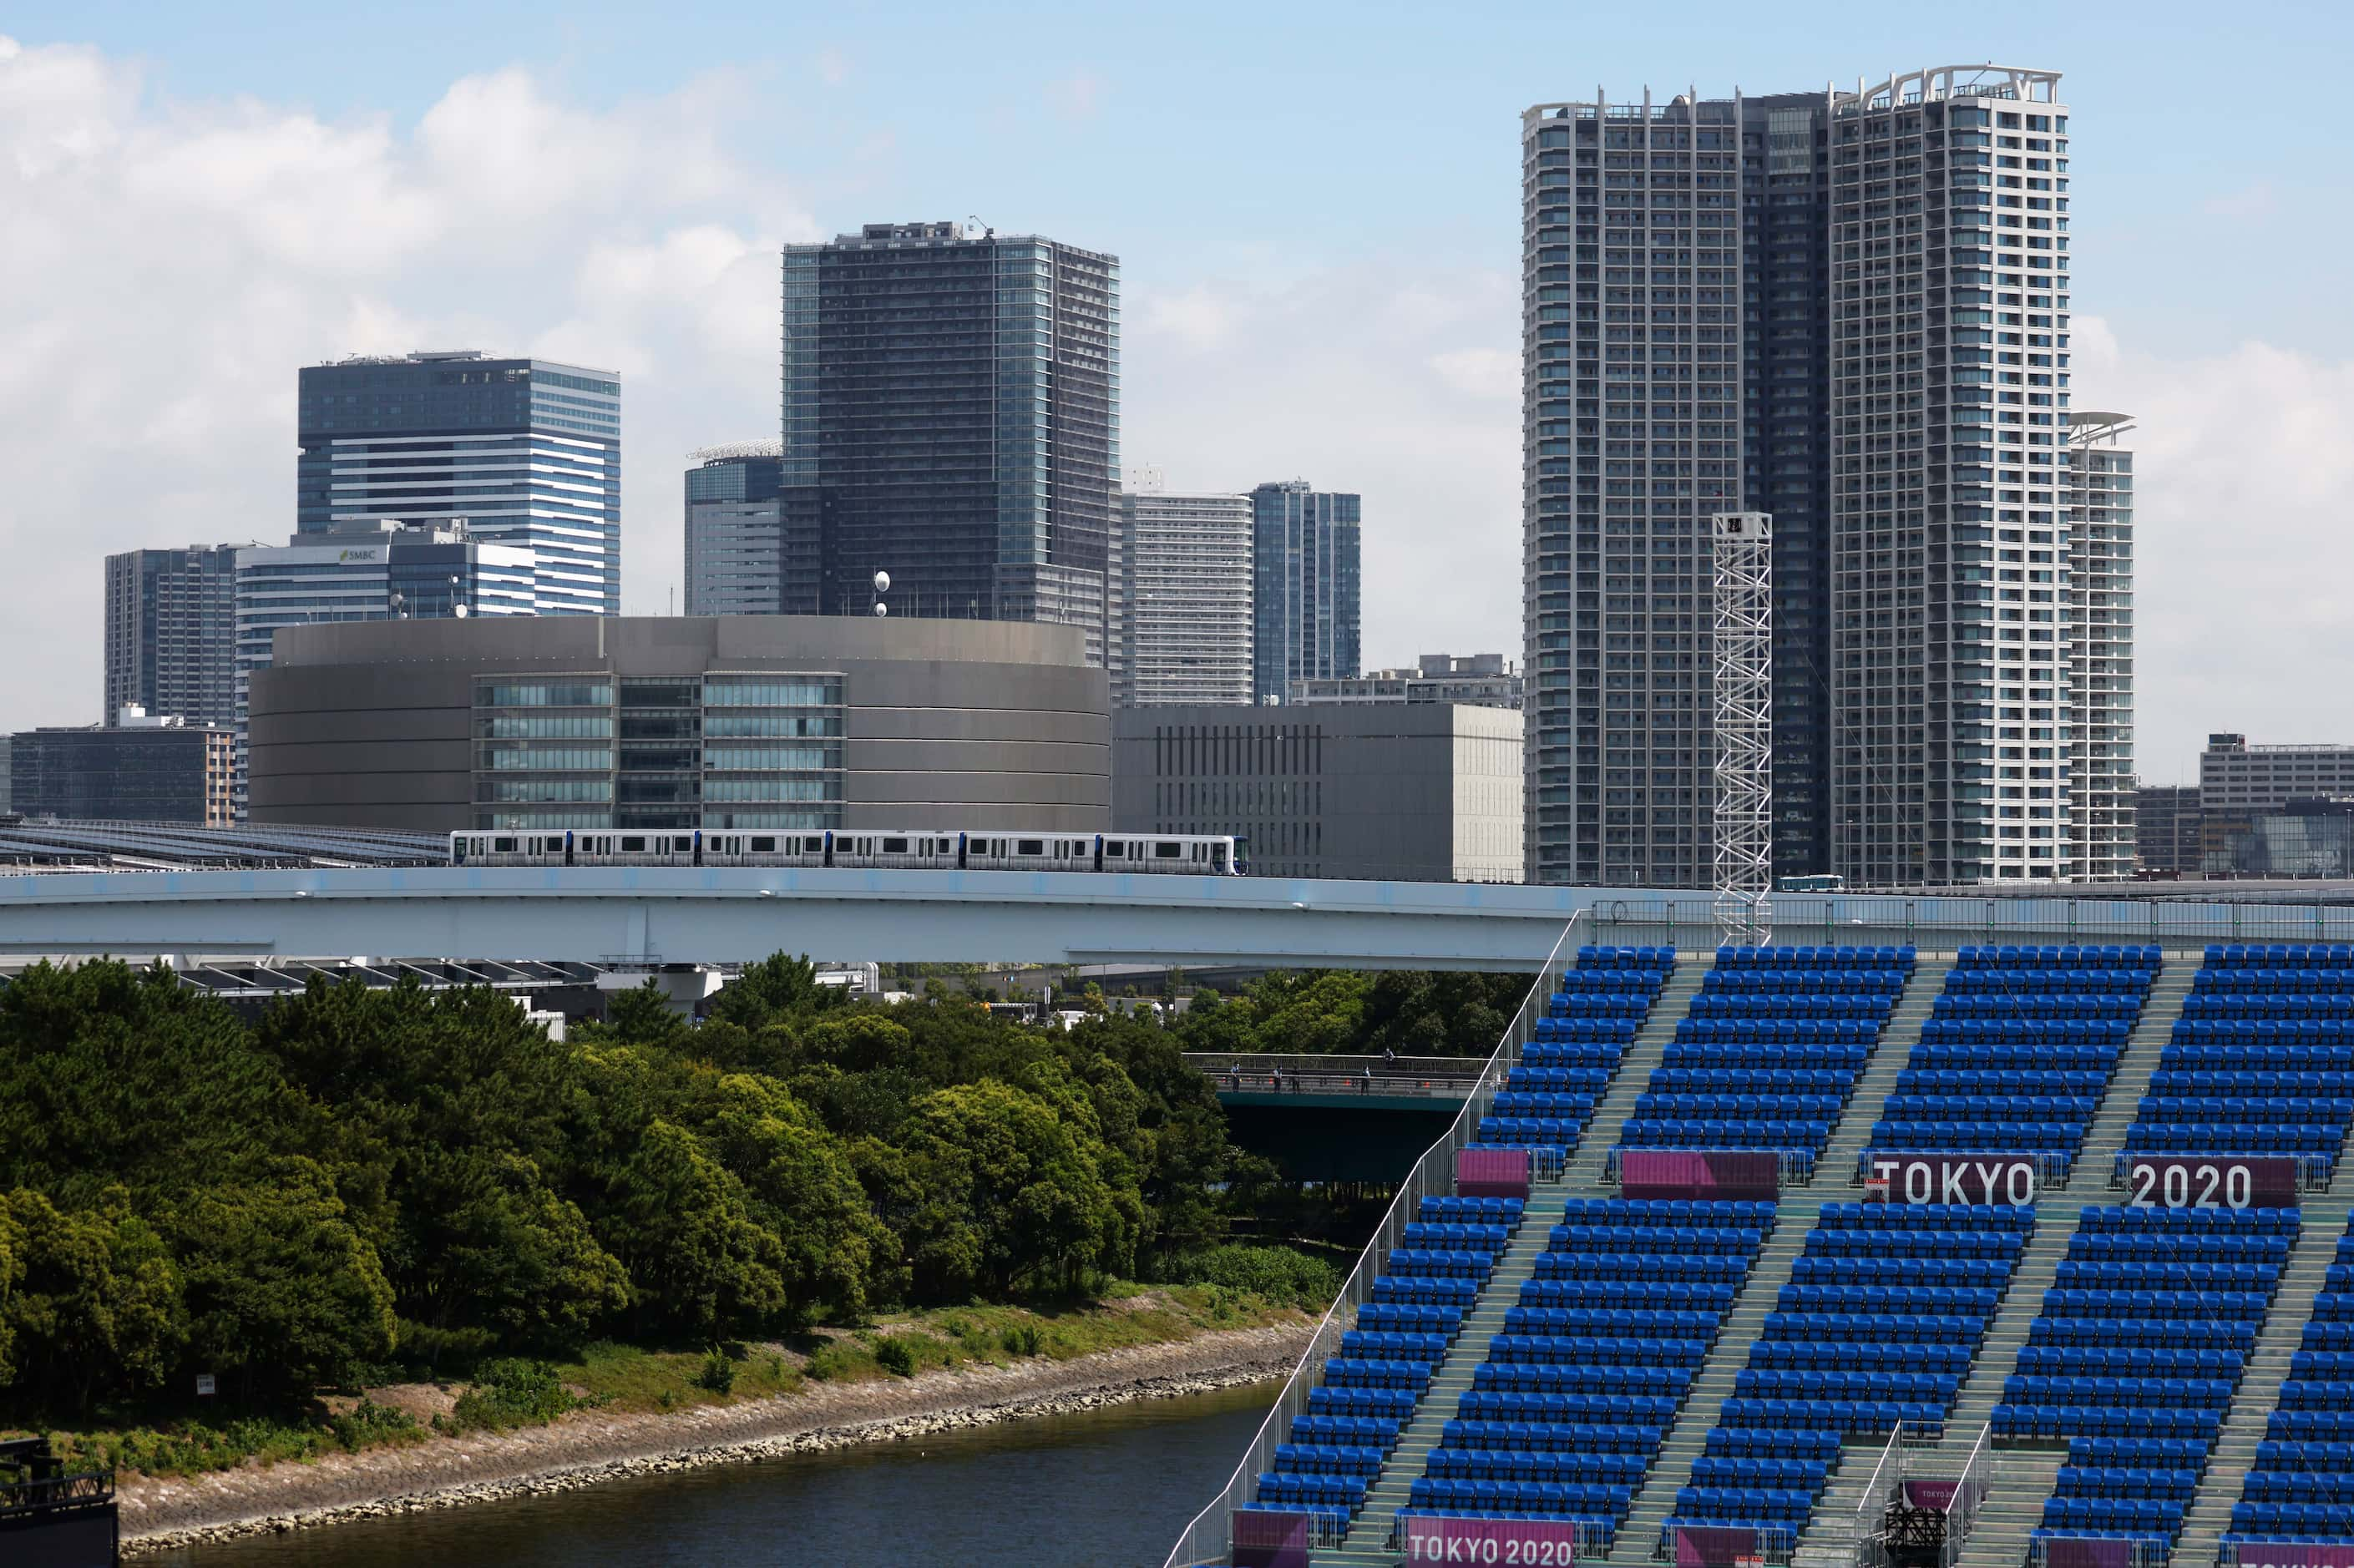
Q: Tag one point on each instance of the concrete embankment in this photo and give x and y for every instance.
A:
(589, 1447)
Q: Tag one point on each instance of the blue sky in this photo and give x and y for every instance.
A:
(1316, 208)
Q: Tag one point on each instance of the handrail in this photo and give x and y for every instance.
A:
(1208, 1537)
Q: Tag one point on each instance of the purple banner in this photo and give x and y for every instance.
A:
(1714, 1545)
(1491, 1172)
(2088, 1551)
(2295, 1554)
(1545, 1542)
(1745, 1173)
(1950, 1177)
(1270, 1537)
(2164, 1183)
(1935, 1496)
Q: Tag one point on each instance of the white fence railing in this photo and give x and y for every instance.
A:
(1208, 1538)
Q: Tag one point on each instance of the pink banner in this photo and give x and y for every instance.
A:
(1950, 1177)
(1935, 1496)
(1270, 1537)
(1714, 1545)
(2094, 1552)
(2295, 1554)
(1544, 1543)
(2162, 1181)
(1735, 1173)
(1491, 1172)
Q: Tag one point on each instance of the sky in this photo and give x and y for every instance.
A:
(1316, 208)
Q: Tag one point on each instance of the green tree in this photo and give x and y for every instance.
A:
(282, 1293)
(90, 1300)
(680, 1224)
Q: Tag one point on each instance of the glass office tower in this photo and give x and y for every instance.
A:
(525, 452)
(953, 399)
(1305, 586)
(751, 548)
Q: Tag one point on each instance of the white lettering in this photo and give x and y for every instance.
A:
(2022, 1184)
(1917, 1192)
(1988, 1175)
(1950, 1189)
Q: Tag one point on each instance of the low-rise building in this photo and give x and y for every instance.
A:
(140, 768)
(2249, 780)
(1482, 680)
(1392, 791)
(2304, 839)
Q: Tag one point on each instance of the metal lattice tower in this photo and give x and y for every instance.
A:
(1743, 711)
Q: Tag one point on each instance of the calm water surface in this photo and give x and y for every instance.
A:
(1112, 1486)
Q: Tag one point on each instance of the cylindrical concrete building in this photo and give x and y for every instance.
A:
(727, 721)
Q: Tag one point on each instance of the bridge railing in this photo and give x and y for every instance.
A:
(1447, 1076)
(1209, 1537)
(1941, 922)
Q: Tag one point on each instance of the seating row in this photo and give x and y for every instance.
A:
(2134, 1332)
(1598, 1004)
(1380, 1403)
(1348, 1372)
(2154, 1454)
(1776, 1031)
(1594, 1350)
(1641, 1268)
(2128, 1221)
(1552, 1409)
(2160, 1517)
(1922, 1243)
(1532, 1464)
(1944, 1301)
(1969, 1137)
(2239, 1081)
(1641, 1132)
(1669, 1211)
(2310, 1425)
(1850, 1417)
(1519, 1497)
(1557, 1080)
(2049, 1421)
(1689, 1241)
(1453, 1263)
(1628, 1295)
(1765, 1443)
(2234, 1004)
(1530, 1132)
(1578, 1042)
(1732, 957)
(1765, 1383)
(1327, 1460)
(1538, 1437)
(1472, 1211)
(1720, 1505)
(1574, 1321)
(1601, 956)
(2082, 1274)
(2004, 956)
(1913, 1271)
(2158, 1247)
(1724, 1054)
(1998, 1081)
(1853, 1329)
(1354, 1431)
(1677, 1106)
(2242, 955)
(1386, 1345)
(2093, 1057)
(2024, 1031)
(2324, 1521)
(2018, 1219)
(1609, 982)
(1478, 1236)
(2176, 1138)
(2298, 1486)
(1649, 1383)
(2316, 1034)
(2048, 982)
(1905, 1107)
(2012, 1005)
(1833, 1081)
(1896, 1355)
(1804, 982)
(1522, 1104)
(2133, 1361)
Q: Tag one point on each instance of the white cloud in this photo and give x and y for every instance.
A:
(171, 265)
(2244, 494)
(1078, 96)
(1375, 379)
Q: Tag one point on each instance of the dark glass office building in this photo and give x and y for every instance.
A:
(171, 633)
(525, 452)
(752, 548)
(953, 401)
(1305, 588)
(147, 772)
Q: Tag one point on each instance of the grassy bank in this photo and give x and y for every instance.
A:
(655, 1379)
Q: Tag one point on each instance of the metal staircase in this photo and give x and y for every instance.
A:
(1849, 1140)
(1685, 1440)
(2258, 1394)
(2089, 1176)
(1368, 1538)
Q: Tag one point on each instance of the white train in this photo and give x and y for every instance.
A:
(909, 849)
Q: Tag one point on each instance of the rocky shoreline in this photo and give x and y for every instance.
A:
(589, 1447)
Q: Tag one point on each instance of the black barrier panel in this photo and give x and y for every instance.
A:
(84, 1539)
(2164, 1183)
(1954, 1178)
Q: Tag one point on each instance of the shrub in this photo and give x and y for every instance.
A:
(1024, 1339)
(512, 1392)
(1285, 1277)
(891, 1354)
(718, 1372)
(368, 1423)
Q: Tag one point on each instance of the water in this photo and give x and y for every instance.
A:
(1101, 1489)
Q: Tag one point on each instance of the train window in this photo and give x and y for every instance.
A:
(502, 846)
(1165, 851)
(895, 846)
(1029, 846)
(632, 844)
(764, 846)
(1114, 851)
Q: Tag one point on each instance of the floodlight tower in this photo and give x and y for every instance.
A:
(1743, 713)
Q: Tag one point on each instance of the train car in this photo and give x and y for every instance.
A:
(888, 849)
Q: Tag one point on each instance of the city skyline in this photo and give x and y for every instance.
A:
(678, 268)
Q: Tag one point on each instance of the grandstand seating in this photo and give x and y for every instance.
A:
(1770, 1051)
(2136, 1358)
(2301, 1486)
(1589, 1023)
(1565, 1416)
(2260, 1063)
(1885, 1308)
(2018, 1051)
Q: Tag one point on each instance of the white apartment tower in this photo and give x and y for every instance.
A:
(1184, 595)
(1953, 604)
(2101, 662)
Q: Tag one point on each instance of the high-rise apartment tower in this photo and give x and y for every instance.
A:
(1186, 596)
(1305, 586)
(1847, 310)
(526, 454)
(751, 548)
(171, 633)
(953, 400)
